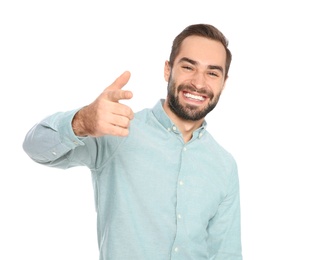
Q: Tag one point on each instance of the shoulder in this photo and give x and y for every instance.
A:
(216, 148)
(143, 114)
(144, 119)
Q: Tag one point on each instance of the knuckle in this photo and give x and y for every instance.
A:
(112, 95)
(120, 131)
(124, 122)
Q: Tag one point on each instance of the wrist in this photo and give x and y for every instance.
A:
(78, 124)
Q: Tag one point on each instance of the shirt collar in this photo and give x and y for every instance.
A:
(163, 118)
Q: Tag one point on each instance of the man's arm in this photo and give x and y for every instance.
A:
(57, 136)
(224, 240)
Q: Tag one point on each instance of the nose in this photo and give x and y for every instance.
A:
(198, 80)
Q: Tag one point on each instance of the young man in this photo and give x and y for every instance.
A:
(164, 188)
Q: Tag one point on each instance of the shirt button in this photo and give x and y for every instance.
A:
(184, 149)
(174, 128)
(181, 183)
(200, 135)
(179, 216)
(54, 153)
(176, 249)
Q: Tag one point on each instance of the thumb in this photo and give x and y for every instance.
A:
(114, 91)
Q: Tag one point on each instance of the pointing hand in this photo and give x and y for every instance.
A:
(106, 116)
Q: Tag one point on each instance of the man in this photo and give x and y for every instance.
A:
(164, 188)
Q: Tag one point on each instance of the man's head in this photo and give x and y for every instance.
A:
(196, 71)
(206, 31)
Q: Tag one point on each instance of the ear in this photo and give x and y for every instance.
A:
(167, 71)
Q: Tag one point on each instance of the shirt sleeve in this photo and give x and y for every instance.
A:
(52, 141)
(224, 236)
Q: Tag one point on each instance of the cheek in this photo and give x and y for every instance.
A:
(218, 86)
(180, 77)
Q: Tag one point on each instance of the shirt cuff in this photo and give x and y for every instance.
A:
(66, 132)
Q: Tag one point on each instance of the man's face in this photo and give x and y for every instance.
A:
(197, 78)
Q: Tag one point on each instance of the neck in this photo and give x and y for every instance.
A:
(186, 127)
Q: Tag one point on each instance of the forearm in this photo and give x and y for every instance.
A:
(51, 139)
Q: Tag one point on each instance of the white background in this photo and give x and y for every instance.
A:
(59, 55)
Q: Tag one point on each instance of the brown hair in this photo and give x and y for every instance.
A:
(203, 30)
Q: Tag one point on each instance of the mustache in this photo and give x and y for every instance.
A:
(201, 91)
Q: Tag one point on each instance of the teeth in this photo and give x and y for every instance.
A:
(200, 98)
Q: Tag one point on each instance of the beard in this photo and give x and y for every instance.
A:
(189, 112)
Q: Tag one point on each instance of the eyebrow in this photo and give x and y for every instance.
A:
(193, 62)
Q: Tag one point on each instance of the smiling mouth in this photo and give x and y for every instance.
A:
(194, 97)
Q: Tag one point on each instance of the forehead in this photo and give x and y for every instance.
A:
(204, 51)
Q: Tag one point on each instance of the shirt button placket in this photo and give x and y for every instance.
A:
(179, 213)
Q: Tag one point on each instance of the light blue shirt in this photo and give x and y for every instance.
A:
(157, 198)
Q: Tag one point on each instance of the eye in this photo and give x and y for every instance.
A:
(187, 67)
(213, 74)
